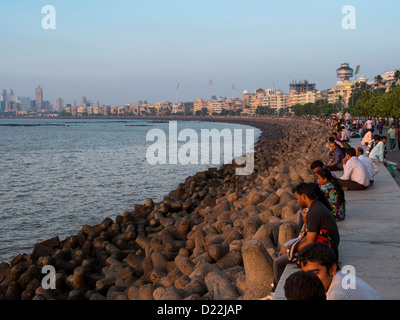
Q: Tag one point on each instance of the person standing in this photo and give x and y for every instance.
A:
(398, 138)
(380, 126)
(392, 138)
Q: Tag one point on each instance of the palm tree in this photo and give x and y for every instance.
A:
(397, 76)
(379, 80)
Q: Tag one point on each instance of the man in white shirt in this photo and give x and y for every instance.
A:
(356, 176)
(378, 152)
(372, 168)
(320, 259)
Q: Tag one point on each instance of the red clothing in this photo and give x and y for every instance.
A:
(398, 134)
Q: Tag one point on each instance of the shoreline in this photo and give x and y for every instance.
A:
(203, 235)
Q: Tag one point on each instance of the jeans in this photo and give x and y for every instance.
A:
(392, 144)
(279, 267)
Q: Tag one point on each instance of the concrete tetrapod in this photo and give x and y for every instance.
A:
(259, 273)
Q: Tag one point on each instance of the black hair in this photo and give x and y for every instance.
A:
(351, 152)
(305, 188)
(320, 195)
(318, 252)
(377, 137)
(304, 285)
(325, 173)
(383, 137)
(331, 139)
(316, 164)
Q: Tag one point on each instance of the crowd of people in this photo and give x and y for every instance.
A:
(322, 206)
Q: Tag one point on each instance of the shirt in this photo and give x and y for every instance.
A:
(392, 133)
(345, 286)
(356, 171)
(378, 151)
(320, 217)
(372, 167)
(332, 195)
(337, 157)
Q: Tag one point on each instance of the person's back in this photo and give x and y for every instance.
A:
(357, 171)
(320, 218)
(357, 289)
(378, 151)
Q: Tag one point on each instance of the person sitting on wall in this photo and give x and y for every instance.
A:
(355, 175)
(335, 158)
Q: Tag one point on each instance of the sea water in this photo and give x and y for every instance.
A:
(57, 175)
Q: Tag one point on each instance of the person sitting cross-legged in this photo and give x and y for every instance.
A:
(355, 176)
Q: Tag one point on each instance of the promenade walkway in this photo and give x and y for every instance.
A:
(369, 236)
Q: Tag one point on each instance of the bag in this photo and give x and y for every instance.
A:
(292, 252)
(324, 236)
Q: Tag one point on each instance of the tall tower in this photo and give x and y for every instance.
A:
(344, 73)
(39, 98)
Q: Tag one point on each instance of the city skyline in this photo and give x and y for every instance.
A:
(125, 52)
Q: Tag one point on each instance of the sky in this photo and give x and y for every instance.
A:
(124, 51)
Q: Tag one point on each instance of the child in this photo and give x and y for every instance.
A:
(334, 193)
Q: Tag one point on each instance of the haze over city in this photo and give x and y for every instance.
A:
(125, 51)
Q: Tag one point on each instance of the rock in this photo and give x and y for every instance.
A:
(259, 272)
(220, 286)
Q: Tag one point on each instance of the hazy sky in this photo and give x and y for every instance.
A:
(123, 51)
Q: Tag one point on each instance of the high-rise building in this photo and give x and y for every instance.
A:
(39, 98)
(3, 100)
(59, 105)
(83, 101)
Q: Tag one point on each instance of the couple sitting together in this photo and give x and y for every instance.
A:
(358, 170)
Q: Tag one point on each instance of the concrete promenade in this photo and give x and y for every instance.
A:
(370, 235)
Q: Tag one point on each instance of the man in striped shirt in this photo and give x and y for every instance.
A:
(320, 259)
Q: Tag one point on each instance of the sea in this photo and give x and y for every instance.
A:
(57, 175)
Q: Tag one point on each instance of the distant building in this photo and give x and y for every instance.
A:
(39, 99)
(59, 105)
(300, 92)
(342, 91)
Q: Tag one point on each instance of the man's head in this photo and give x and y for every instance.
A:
(359, 151)
(303, 285)
(305, 194)
(377, 137)
(316, 165)
(332, 146)
(319, 258)
(350, 152)
(384, 139)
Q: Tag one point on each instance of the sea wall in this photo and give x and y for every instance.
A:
(214, 237)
